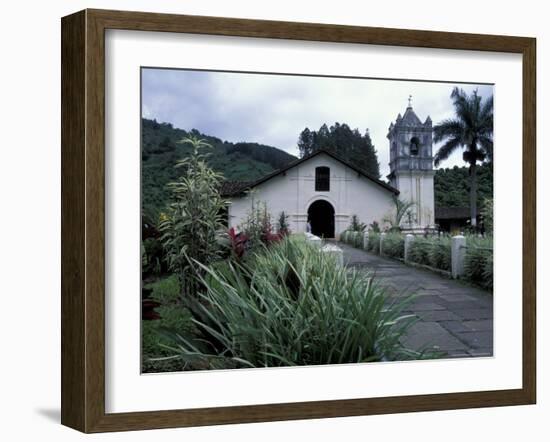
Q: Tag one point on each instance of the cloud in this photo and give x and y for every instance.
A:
(274, 109)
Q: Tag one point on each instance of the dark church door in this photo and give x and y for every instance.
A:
(321, 218)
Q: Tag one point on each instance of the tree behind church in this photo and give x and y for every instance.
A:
(347, 143)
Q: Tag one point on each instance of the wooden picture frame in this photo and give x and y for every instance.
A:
(83, 220)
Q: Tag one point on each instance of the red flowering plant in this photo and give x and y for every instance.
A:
(257, 231)
(238, 242)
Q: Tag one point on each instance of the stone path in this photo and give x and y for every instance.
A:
(455, 318)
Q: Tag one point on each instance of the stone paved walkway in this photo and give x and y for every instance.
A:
(454, 318)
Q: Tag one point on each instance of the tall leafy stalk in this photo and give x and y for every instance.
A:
(191, 229)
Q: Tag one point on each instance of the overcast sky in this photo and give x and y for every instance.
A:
(274, 109)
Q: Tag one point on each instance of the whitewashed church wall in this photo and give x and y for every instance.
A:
(294, 192)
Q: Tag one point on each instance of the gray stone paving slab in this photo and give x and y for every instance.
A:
(471, 314)
(454, 317)
(477, 339)
(430, 335)
(439, 315)
(457, 297)
(425, 306)
(455, 326)
(482, 325)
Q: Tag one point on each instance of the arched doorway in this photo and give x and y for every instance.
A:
(321, 217)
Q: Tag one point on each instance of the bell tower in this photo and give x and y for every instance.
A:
(411, 166)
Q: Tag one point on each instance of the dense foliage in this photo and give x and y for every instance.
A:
(452, 186)
(373, 243)
(356, 225)
(478, 261)
(349, 144)
(432, 251)
(161, 151)
(172, 315)
(394, 245)
(291, 305)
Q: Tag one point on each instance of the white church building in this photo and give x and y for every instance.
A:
(326, 190)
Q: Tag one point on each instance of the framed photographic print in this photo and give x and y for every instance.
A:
(270, 220)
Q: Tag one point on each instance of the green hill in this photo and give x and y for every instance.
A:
(161, 151)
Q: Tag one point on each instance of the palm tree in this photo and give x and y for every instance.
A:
(472, 131)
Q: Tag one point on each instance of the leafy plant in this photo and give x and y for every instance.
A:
(419, 250)
(173, 316)
(191, 228)
(373, 244)
(291, 305)
(478, 261)
(394, 245)
(374, 227)
(487, 214)
(282, 224)
(401, 209)
(258, 228)
(356, 225)
(439, 253)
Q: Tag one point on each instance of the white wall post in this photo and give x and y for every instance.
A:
(315, 240)
(458, 251)
(334, 251)
(365, 240)
(409, 238)
(382, 237)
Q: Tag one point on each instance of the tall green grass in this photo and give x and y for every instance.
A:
(373, 244)
(431, 251)
(292, 305)
(478, 261)
(394, 245)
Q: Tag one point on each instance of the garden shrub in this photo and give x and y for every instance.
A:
(488, 272)
(165, 290)
(394, 245)
(356, 225)
(419, 250)
(478, 261)
(173, 316)
(291, 305)
(357, 239)
(373, 244)
(344, 236)
(439, 253)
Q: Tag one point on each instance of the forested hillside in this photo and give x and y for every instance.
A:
(452, 186)
(161, 151)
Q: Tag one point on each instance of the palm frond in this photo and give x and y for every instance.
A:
(446, 150)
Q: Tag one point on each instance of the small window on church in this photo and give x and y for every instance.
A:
(415, 145)
(322, 179)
